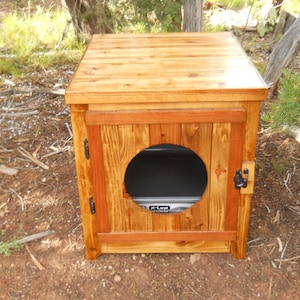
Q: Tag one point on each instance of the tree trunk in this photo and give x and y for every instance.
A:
(286, 20)
(89, 16)
(283, 54)
(192, 17)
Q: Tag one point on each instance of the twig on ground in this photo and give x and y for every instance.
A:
(5, 114)
(282, 254)
(3, 149)
(239, 296)
(280, 247)
(267, 208)
(32, 158)
(35, 152)
(196, 293)
(69, 130)
(35, 236)
(287, 259)
(273, 265)
(9, 108)
(56, 150)
(35, 261)
(252, 241)
(287, 180)
(31, 99)
(294, 208)
(270, 289)
(23, 206)
(20, 114)
(276, 219)
(8, 92)
(4, 204)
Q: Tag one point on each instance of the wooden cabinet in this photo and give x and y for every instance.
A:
(131, 92)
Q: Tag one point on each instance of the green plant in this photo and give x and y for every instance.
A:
(30, 42)
(6, 248)
(286, 110)
(280, 162)
(146, 16)
(268, 24)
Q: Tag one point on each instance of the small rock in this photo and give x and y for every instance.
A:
(117, 278)
(8, 171)
(194, 258)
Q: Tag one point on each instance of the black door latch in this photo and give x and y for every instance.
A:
(239, 180)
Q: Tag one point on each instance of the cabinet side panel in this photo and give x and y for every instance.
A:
(96, 157)
(84, 179)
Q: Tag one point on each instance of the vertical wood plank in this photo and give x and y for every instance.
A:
(235, 159)
(251, 129)
(219, 175)
(161, 134)
(133, 139)
(165, 133)
(84, 181)
(197, 137)
(113, 178)
(239, 247)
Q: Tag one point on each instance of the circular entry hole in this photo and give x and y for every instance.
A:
(166, 178)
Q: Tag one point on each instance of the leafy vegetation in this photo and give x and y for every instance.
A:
(268, 24)
(29, 42)
(146, 16)
(286, 110)
(44, 37)
(6, 248)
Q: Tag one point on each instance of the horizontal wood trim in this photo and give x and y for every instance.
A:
(85, 95)
(167, 247)
(164, 106)
(166, 117)
(180, 236)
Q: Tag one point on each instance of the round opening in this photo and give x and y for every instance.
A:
(166, 178)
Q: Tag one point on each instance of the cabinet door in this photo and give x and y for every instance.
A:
(216, 136)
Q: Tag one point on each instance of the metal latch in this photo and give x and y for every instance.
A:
(86, 149)
(92, 205)
(239, 180)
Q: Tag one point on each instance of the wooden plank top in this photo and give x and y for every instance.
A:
(170, 67)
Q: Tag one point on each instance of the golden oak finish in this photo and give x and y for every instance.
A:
(130, 92)
(165, 68)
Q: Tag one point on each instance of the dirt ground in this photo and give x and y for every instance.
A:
(38, 199)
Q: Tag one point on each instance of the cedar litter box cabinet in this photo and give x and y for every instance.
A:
(131, 92)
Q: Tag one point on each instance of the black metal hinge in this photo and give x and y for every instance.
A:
(86, 149)
(92, 205)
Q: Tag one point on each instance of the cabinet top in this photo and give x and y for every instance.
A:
(170, 67)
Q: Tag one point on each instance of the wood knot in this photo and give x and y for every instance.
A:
(219, 171)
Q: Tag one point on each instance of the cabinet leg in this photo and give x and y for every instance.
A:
(239, 247)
